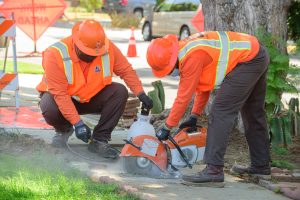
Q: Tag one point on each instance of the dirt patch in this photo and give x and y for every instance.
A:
(293, 155)
(15, 143)
(22, 145)
(237, 151)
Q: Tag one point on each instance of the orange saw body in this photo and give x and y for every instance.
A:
(145, 155)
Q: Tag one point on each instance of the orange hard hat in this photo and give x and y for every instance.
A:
(162, 55)
(90, 38)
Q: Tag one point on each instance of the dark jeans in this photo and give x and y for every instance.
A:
(243, 89)
(109, 102)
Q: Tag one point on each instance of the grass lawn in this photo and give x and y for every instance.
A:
(23, 67)
(41, 177)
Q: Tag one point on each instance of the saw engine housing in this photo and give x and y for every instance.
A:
(161, 156)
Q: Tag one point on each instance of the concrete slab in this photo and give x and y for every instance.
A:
(170, 189)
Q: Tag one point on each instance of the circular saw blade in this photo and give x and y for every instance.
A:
(141, 166)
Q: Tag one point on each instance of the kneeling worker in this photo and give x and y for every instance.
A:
(235, 63)
(78, 80)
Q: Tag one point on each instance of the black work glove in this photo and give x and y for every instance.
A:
(82, 131)
(163, 133)
(147, 101)
(191, 123)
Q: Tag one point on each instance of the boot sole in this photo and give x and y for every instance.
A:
(260, 176)
(207, 184)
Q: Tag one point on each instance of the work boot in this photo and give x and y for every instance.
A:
(61, 137)
(259, 171)
(103, 149)
(211, 176)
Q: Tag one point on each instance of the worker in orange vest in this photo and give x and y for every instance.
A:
(78, 80)
(236, 64)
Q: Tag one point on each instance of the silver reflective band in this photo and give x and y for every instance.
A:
(106, 65)
(199, 42)
(236, 45)
(68, 64)
(223, 58)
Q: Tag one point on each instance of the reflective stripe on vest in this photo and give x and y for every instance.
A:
(106, 65)
(67, 62)
(224, 45)
(223, 58)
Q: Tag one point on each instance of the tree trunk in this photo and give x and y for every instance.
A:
(247, 16)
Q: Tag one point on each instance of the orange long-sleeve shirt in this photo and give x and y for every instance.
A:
(189, 79)
(57, 82)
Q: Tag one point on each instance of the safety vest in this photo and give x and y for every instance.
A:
(226, 49)
(80, 88)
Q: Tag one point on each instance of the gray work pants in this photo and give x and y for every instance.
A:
(243, 89)
(109, 102)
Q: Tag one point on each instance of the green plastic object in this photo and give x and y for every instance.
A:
(161, 92)
(157, 107)
(294, 116)
(280, 127)
(158, 97)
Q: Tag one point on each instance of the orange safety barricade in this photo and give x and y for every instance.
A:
(9, 81)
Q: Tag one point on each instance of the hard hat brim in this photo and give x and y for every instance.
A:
(168, 69)
(83, 48)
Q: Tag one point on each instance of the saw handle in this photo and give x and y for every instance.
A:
(180, 151)
(131, 143)
(144, 110)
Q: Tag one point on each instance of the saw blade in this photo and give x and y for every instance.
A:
(141, 166)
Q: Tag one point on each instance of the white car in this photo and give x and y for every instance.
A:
(170, 17)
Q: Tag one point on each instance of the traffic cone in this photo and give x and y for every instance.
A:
(131, 47)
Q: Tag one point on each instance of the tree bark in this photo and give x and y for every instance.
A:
(247, 16)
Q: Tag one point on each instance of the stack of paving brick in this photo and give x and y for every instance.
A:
(130, 112)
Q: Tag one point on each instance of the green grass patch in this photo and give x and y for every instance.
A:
(44, 177)
(280, 151)
(283, 164)
(23, 67)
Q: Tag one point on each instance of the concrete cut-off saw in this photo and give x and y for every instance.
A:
(145, 155)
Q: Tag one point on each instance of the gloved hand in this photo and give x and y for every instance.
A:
(191, 123)
(147, 101)
(82, 131)
(163, 133)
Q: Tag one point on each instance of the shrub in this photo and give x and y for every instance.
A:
(124, 20)
(282, 77)
(91, 5)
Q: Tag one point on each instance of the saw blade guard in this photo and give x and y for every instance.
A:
(149, 147)
(191, 144)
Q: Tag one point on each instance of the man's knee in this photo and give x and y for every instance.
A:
(49, 108)
(121, 91)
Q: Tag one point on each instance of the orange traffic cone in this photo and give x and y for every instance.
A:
(132, 47)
